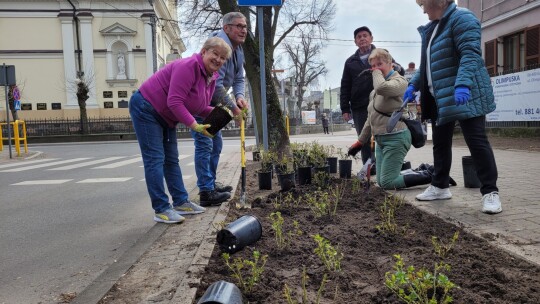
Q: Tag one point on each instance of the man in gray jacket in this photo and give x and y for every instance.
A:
(231, 75)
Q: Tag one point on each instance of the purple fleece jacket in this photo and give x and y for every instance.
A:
(179, 91)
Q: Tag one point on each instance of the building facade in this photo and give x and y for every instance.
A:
(510, 33)
(113, 46)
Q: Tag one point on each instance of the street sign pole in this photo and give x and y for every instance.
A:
(8, 80)
(260, 4)
(263, 76)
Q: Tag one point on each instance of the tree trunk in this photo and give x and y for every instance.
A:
(278, 138)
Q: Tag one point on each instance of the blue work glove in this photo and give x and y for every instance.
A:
(409, 94)
(462, 95)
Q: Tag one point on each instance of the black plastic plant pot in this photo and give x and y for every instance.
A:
(256, 155)
(265, 180)
(221, 292)
(286, 181)
(470, 177)
(406, 165)
(345, 168)
(217, 119)
(243, 232)
(324, 171)
(304, 175)
(332, 162)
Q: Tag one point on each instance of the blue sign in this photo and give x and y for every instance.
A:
(260, 2)
(17, 105)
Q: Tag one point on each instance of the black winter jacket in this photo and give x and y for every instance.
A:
(357, 83)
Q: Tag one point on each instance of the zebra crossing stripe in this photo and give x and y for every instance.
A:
(45, 165)
(104, 180)
(27, 162)
(119, 164)
(88, 163)
(43, 182)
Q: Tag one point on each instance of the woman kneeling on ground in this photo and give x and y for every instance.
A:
(391, 148)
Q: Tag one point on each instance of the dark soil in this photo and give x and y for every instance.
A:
(483, 273)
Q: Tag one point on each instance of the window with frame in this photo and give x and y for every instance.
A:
(519, 51)
(514, 52)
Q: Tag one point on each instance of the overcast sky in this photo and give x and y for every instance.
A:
(392, 22)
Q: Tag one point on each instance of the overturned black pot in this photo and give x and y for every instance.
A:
(221, 292)
(245, 231)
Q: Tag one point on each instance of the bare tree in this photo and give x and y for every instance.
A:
(200, 17)
(306, 63)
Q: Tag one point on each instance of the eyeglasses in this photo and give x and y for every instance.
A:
(239, 26)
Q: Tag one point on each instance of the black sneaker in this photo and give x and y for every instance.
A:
(219, 187)
(213, 198)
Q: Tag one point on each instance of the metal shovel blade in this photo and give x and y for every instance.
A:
(395, 117)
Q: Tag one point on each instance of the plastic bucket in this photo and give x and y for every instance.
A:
(243, 232)
(221, 292)
(470, 177)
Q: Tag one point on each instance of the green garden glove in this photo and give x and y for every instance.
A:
(202, 129)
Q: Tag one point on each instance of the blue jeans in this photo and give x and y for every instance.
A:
(159, 149)
(207, 151)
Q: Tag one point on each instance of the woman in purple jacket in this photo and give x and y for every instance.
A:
(174, 94)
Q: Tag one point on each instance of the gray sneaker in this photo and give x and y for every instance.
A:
(188, 207)
(491, 204)
(434, 193)
(169, 216)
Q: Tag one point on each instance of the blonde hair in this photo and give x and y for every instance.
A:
(381, 54)
(217, 43)
(434, 3)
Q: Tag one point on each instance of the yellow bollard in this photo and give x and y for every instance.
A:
(24, 136)
(16, 137)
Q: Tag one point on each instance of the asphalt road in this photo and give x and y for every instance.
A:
(68, 216)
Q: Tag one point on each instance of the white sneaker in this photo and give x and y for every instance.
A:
(434, 193)
(491, 203)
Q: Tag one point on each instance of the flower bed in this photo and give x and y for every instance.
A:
(347, 253)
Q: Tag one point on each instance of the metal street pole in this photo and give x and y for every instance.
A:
(331, 112)
(5, 68)
(263, 76)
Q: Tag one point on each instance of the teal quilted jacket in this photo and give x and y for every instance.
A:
(456, 60)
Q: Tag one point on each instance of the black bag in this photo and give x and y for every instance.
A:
(418, 132)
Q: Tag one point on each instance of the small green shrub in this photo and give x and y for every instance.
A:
(246, 272)
(330, 256)
(387, 214)
(422, 286)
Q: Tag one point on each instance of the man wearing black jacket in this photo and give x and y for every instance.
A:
(357, 84)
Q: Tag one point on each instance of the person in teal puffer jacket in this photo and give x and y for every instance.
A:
(455, 86)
